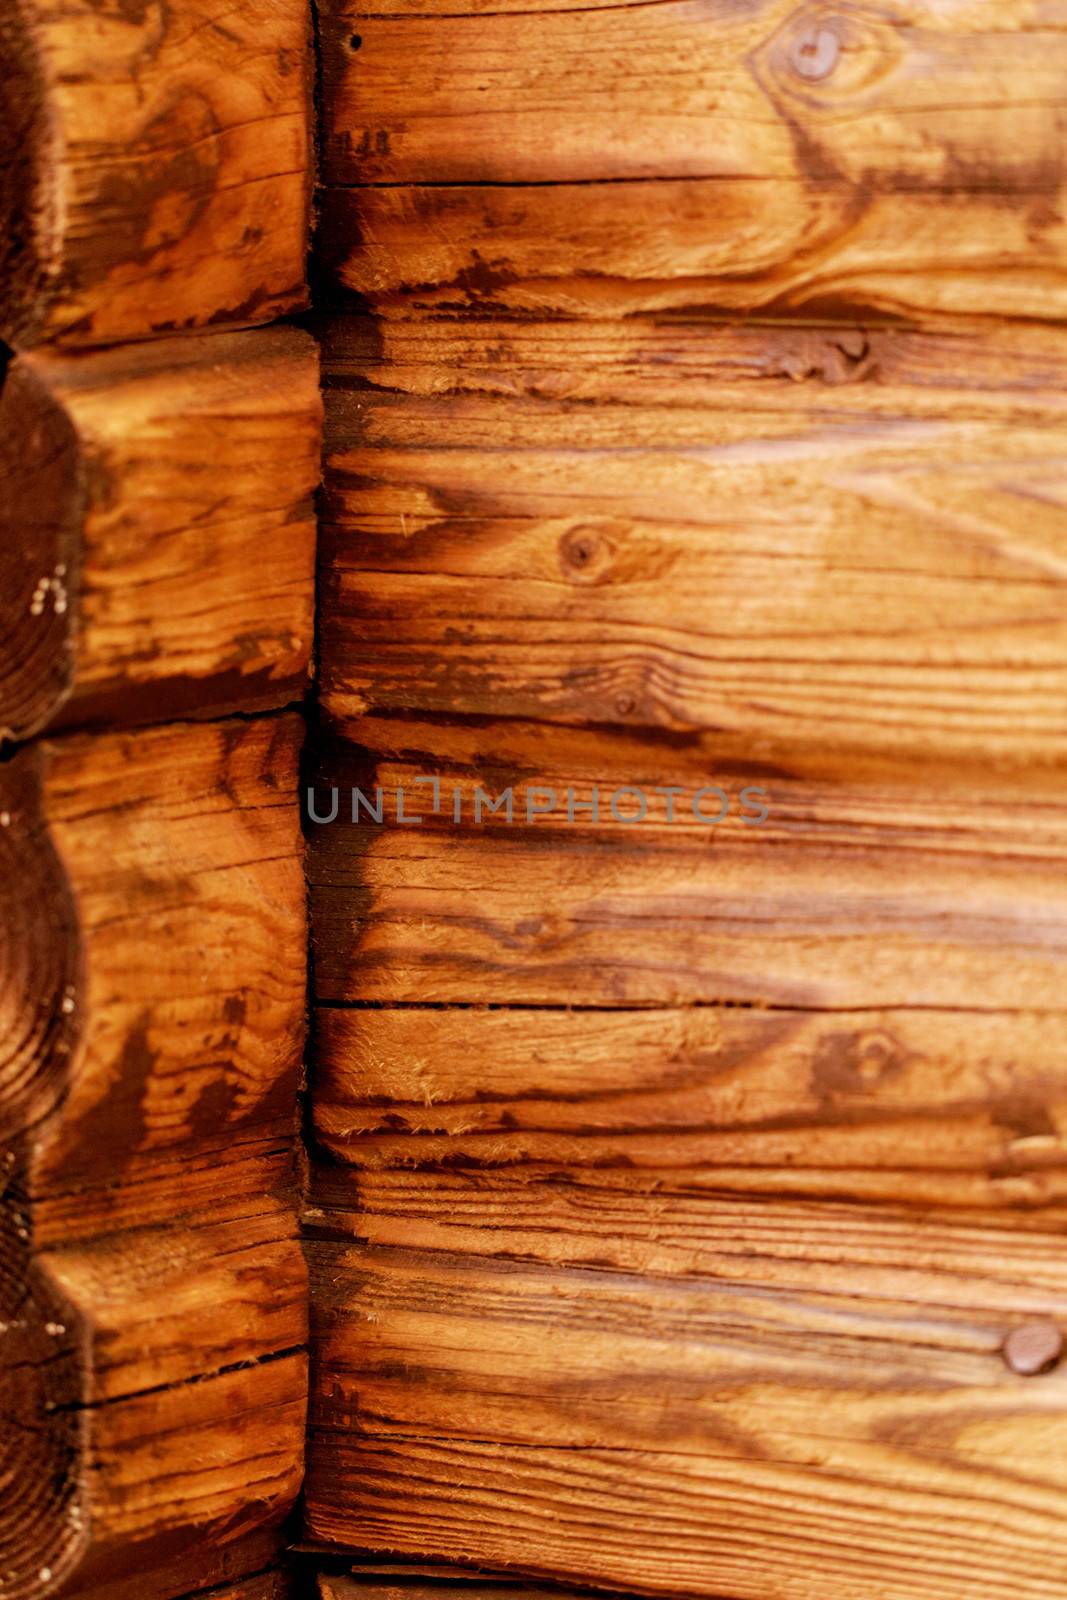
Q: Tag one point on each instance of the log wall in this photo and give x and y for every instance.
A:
(682, 1187)
(156, 575)
(686, 1196)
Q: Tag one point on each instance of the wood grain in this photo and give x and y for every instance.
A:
(167, 567)
(156, 169)
(856, 541)
(767, 1388)
(906, 158)
(895, 889)
(412, 1585)
(267, 1586)
(918, 1106)
(157, 1290)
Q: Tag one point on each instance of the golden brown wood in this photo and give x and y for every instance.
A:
(156, 167)
(266, 1586)
(765, 1388)
(686, 1201)
(915, 1106)
(156, 529)
(157, 1292)
(856, 541)
(906, 158)
(413, 1586)
(892, 889)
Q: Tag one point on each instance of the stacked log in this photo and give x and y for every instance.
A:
(156, 575)
(687, 1189)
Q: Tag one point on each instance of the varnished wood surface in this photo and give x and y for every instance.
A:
(856, 541)
(265, 1586)
(420, 1583)
(895, 889)
(157, 530)
(155, 1288)
(767, 1388)
(607, 158)
(156, 171)
(682, 1178)
(918, 1106)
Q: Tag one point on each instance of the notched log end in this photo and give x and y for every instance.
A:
(42, 496)
(42, 1521)
(40, 959)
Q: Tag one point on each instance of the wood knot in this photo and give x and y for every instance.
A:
(1033, 1347)
(584, 554)
(816, 51)
(825, 53)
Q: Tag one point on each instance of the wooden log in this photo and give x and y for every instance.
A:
(610, 1380)
(156, 530)
(156, 168)
(907, 160)
(265, 1586)
(854, 541)
(154, 1289)
(411, 1584)
(213, 1581)
(894, 889)
(914, 1107)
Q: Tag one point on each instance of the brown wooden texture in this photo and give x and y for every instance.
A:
(906, 157)
(767, 1389)
(208, 1576)
(895, 889)
(406, 1586)
(687, 1178)
(264, 1586)
(157, 533)
(916, 1106)
(855, 540)
(686, 1200)
(156, 167)
(267, 1586)
(154, 972)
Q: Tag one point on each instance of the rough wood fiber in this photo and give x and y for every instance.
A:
(906, 157)
(767, 1388)
(156, 529)
(210, 1576)
(853, 540)
(154, 970)
(411, 1587)
(890, 889)
(155, 174)
(267, 1586)
(919, 1106)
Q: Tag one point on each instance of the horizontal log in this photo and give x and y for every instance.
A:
(676, 1393)
(907, 160)
(264, 1586)
(911, 1106)
(154, 1293)
(156, 530)
(211, 1576)
(854, 541)
(891, 890)
(411, 1584)
(156, 171)
(267, 1586)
